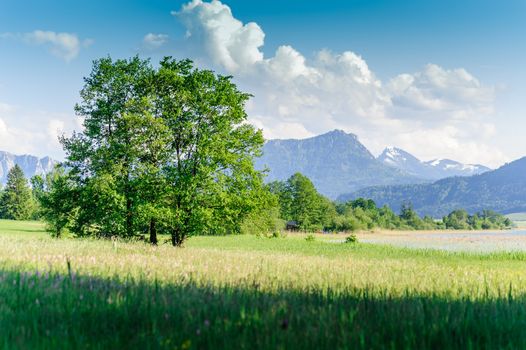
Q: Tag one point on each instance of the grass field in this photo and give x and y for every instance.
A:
(247, 292)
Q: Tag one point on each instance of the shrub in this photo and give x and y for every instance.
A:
(351, 239)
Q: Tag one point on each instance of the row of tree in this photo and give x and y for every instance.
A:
(308, 210)
(294, 201)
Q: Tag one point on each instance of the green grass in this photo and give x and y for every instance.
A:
(249, 292)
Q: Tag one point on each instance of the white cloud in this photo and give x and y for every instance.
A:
(433, 113)
(153, 41)
(66, 46)
(438, 89)
(229, 42)
(33, 132)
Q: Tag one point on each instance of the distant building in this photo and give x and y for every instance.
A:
(292, 226)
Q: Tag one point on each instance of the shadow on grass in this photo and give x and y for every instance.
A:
(51, 310)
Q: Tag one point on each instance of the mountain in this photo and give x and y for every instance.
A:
(336, 162)
(31, 165)
(431, 170)
(502, 190)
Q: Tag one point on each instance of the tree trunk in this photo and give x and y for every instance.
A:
(177, 237)
(153, 232)
(129, 216)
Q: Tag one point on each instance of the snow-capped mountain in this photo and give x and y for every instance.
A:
(431, 170)
(336, 162)
(31, 165)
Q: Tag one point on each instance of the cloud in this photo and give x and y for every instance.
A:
(436, 112)
(66, 46)
(39, 138)
(229, 42)
(439, 89)
(153, 41)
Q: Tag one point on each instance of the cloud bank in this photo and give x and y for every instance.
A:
(432, 112)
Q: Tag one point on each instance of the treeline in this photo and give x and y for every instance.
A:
(305, 209)
(293, 204)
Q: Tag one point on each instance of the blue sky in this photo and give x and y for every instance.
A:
(437, 78)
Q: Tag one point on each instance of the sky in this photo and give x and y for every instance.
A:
(437, 78)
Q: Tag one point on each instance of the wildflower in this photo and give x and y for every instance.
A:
(207, 323)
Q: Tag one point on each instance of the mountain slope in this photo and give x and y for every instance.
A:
(30, 165)
(336, 162)
(431, 170)
(502, 190)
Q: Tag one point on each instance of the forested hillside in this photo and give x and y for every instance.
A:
(502, 190)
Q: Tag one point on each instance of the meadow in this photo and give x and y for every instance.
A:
(253, 292)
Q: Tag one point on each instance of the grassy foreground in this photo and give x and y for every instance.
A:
(248, 292)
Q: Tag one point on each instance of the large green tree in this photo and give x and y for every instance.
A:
(164, 149)
(16, 202)
(212, 183)
(103, 158)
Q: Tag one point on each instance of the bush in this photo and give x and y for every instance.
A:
(310, 238)
(351, 239)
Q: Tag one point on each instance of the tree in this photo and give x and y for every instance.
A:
(409, 217)
(104, 158)
(212, 183)
(301, 202)
(457, 220)
(163, 149)
(16, 202)
(56, 197)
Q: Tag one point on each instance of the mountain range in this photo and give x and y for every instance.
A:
(502, 190)
(338, 163)
(431, 170)
(30, 165)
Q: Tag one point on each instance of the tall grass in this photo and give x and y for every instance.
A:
(249, 292)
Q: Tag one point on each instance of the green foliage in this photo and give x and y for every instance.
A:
(55, 195)
(16, 202)
(487, 219)
(300, 202)
(264, 221)
(165, 150)
(351, 239)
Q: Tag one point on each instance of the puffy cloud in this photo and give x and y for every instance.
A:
(436, 112)
(20, 134)
(66, 46)
(438, 89)
(153, 41)
(228, 41)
